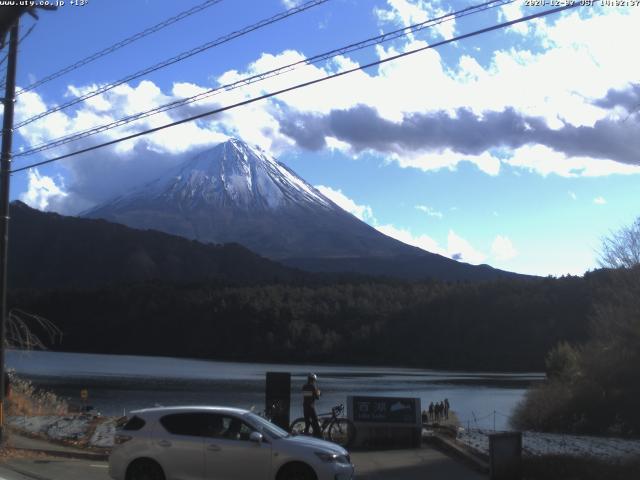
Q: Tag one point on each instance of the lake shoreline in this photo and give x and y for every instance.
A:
(305, 363)
(122, 383)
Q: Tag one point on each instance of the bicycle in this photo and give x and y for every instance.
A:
(270, 412)
(335, 428)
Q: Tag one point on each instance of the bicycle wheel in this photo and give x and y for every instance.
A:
(297, 427)
(342, 431)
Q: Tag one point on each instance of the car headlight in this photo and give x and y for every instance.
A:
(333, 458)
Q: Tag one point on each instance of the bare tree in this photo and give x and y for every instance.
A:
(21, 328)
(621, 249)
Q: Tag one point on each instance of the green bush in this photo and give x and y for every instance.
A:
(594, 388)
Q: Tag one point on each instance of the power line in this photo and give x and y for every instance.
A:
(178, 58)
(301, 85)
(120, 44)
(262, 76)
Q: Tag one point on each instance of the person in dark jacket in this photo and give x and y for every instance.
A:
(311, 393)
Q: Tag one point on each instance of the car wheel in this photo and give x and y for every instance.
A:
(297, 471)
(144, 469)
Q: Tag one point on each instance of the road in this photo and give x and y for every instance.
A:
(416, 464)
(53, 468)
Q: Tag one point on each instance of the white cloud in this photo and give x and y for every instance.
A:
(429, 211)
(572, 195)
(514, 77)
(545, 161)
(513, 11)
(502, 249)
(363, 212)
(407, 13)
(42, 191)
(449, 159)
(599, 201)
(461, 249)
(457, 248)
(424, 242)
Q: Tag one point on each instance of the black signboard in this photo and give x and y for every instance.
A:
(278, 398)
(385, 410)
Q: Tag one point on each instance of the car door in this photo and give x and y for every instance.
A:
(230, 455)
(179, 446)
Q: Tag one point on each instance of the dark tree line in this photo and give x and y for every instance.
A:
(504, 324)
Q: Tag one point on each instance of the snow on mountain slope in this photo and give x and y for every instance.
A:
(236, 174)
(238, 193)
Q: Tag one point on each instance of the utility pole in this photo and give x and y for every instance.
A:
(5, 176)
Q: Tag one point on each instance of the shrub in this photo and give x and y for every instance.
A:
(27, 400)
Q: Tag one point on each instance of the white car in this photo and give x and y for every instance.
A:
(198, 443)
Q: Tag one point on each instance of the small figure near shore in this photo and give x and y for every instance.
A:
(437, 412)
(311, 393)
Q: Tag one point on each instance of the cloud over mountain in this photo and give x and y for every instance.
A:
(509, 106)
(462, 131)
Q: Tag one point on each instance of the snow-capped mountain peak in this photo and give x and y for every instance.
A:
(236, 174)
(238, 193)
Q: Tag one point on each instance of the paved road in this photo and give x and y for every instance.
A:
(416, 464)
(53, 468)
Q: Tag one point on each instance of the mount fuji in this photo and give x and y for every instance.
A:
(238, 193)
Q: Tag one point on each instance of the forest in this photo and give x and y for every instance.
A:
(501, 325)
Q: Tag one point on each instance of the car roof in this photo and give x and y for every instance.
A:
(189, 409)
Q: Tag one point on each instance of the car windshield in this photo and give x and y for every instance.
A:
(265, 426)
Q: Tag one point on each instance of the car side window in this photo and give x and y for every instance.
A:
(227, 427)
(238, 430)
(135, 423)
(189, 424)
(215, 425)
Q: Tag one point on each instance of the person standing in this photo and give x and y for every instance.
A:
(446, 408)
(311, 393)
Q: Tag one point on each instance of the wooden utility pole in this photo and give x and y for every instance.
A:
(5, 176)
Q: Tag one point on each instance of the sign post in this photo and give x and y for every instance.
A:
(278, 398)
(84, 396)
(505, 456)
(384, 421)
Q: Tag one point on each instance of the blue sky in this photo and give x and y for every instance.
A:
(518, 148)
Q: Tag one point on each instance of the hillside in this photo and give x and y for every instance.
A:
(238, 193)
(48, 250)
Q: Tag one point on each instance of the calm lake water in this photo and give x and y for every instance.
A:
(119, 383)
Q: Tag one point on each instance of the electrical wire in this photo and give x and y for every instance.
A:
(301, 85)
(262, 76)
(123, 43)
(178, 58)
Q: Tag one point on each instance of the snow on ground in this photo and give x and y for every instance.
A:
(104, 434)
(79, 427)
(74, 428)
(536, 444)
(53, 426)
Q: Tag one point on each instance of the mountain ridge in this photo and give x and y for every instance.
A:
(48, 250)
(235, 193)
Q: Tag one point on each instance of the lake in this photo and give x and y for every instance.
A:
(121, 383)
